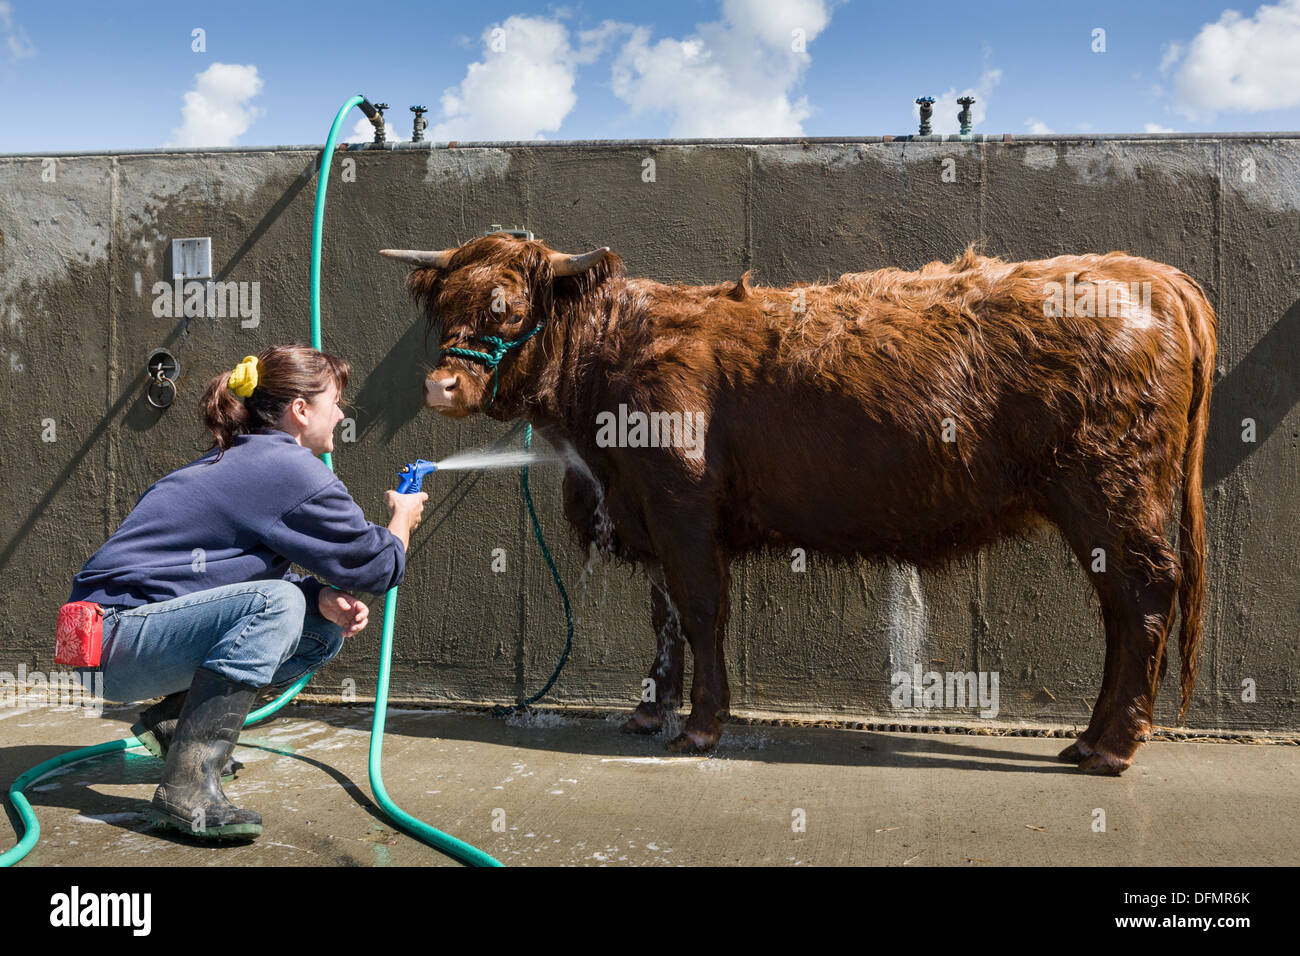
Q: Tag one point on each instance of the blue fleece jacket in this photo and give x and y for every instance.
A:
(269, 501)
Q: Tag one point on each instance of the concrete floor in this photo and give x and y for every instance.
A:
(570, 791)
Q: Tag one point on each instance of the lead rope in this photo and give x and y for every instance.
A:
(503, 711)
(500, 349)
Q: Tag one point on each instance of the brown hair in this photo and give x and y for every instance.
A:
(285, 372)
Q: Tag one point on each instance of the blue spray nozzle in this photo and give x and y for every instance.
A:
(412, 475)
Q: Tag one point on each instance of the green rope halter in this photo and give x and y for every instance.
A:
(500, 349)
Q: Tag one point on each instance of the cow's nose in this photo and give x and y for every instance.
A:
(441, 391)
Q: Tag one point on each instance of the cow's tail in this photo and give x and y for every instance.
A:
(1203, 326)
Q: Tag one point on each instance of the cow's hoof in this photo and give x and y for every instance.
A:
(642, 723)
(1105, 765)
(693, 742)
(1075, 753)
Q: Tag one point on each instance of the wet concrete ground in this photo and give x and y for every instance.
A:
(546, 789)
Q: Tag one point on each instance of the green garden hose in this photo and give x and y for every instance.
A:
(444, 842)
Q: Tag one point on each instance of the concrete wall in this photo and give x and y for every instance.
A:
(79, 255)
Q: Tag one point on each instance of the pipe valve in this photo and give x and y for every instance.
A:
(964, 117)
(378, 121)
(927, 110)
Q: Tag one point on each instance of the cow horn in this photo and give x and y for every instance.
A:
(566, 265)
(436, 259)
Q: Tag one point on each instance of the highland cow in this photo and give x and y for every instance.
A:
(917, 416)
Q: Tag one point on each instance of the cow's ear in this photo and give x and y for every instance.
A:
(541, 290)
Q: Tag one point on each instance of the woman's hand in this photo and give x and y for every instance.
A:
(406, 511)
(344, 610)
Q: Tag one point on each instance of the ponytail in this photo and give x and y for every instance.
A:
(283, 373)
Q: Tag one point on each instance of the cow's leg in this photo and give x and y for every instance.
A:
(1147, 591)
(699, 583)
(1084, 534)
(1115, 615)
(665, 672)
(1083, 747)
(722, 673)
(705, 606)
(1073, 507)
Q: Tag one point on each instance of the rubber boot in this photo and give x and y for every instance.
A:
(157, 724)
(190, 797)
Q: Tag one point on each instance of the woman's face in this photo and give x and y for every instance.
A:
(312, 423)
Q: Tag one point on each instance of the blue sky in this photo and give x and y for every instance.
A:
(92, 75)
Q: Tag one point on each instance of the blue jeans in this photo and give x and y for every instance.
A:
(258, 633)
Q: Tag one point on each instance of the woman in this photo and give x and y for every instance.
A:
(199, 603)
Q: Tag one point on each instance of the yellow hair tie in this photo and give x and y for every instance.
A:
(244, 378)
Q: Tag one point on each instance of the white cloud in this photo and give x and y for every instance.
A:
(216, 111)
(946, 108)
(1035, 126)
(523, 86)
(1240, 63)
(731, 77)
(16, 40)
(1156, 128)
(1172, 52)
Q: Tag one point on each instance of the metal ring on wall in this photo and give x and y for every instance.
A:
(162, 369)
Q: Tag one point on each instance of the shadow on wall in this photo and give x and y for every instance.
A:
(393, 394)
(1263, 386)
(140, 416)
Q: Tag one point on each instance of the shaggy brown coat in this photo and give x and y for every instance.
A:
(914, 415)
